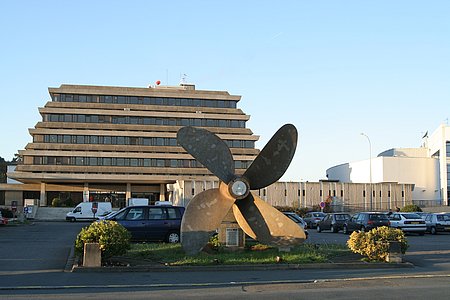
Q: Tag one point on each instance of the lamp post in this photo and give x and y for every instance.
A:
(370, 168)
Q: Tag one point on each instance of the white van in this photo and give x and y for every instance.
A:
(84, 211)
(137, 201)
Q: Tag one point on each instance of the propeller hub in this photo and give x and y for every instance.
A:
(239, 188)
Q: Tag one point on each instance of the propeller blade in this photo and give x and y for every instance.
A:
(274, 159)
(265, 223)
(203, 216)
(209, 150)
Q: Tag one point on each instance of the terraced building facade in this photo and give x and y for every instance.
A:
(103, 143)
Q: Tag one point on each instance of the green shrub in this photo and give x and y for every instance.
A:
(375, 243)
(113, 238)
(7, 213)
(56, 202)
(411, 208)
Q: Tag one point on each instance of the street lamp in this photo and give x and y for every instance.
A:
(370, 167)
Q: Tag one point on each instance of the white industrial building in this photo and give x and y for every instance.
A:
(426, 168)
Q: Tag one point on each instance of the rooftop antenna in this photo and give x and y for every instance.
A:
(183, 78)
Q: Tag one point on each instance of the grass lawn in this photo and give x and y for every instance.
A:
(173, 254)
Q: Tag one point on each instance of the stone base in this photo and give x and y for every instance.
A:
(394, 258)
(92, 255)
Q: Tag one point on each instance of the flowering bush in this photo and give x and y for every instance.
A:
(375, 243)
(113, 238)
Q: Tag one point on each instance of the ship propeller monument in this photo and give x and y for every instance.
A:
(258, 219)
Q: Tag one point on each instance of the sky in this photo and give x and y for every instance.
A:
(334, 69)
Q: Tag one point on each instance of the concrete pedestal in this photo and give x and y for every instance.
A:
(92, 255)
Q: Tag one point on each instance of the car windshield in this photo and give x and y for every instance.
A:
(411, 216)
(378, 217)
(296, 218)
(115, 214)
(319, 215)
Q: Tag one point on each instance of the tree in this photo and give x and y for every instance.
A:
(3, 170)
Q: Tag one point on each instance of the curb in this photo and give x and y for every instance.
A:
(164, 268)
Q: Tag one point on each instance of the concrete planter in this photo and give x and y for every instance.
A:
(395, 253)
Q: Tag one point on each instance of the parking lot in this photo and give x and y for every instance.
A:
(46, 245)
(36, 246)
(424, 251)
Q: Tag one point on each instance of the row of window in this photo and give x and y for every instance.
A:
(303, 193)
(143, 120)
(125, 140)
(144, 100)
(125, 162)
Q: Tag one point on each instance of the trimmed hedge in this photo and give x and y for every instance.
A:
(411, 208)
(375, 243)
(113, 238)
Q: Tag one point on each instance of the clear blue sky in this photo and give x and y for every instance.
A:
(334, 69)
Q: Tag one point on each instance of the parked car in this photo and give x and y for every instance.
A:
(438, 222)
(151, 222)
(333, 222)
(3, 221)
(313, 217)
(297, 219)
(408, 222)
(365, 221)
(422, 214)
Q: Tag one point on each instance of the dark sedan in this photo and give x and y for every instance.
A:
(365, 221)
(151, 223)
(333, 222)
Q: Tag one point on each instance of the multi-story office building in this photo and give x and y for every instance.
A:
(112, 143)
(100, 143)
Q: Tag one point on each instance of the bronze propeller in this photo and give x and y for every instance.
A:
(258, 219)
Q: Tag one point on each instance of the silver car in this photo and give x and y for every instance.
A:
(313, 218)
(408, 222)
(297, 219)
(439, 222)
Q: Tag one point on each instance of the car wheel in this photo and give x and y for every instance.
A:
(173, 237)
(73, 220)
(345, 229)
(318, 228)
(433, 230)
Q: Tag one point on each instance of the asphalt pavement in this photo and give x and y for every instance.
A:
(34, 257)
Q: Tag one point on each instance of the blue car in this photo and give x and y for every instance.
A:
(150, 222)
